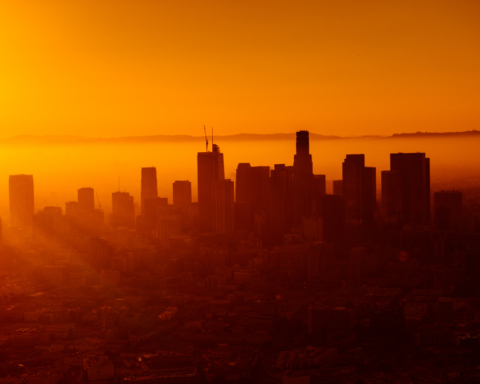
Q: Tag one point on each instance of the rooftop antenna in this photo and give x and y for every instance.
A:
(206, 139)
(212, 138)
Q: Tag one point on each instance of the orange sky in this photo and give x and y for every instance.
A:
(142, 67)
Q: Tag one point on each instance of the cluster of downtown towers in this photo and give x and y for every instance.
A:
(271, 203)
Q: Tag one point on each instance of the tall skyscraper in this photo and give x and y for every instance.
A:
(359, 192)
(86, 201)
(223, 218)
(21, 200)
(338, 187)
(319, 190)
(209, 170)
(148, 185)
(281, 206)
(182, 193)
(415, 190)
(448, 210)
(302, 179)
(123, 210)
(182, 198)
(392, 198)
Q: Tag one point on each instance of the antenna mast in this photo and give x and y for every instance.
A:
(212, 138)
(206, 139)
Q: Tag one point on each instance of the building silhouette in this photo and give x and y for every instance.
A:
(302, 179)
(359, 192)
(148, 185)
(392, 199)
(210, 169)
(123, 210)
(21, 200)
(338, 187)
(182, 198)
(414, 197)
(223, 204)
(86, 201)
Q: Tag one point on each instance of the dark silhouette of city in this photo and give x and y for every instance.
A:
(266, 278)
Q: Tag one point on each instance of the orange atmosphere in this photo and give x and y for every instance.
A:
(126, 68)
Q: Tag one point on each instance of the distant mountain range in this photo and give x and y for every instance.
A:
(55, 140)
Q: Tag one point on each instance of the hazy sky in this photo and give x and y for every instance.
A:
(143, 67)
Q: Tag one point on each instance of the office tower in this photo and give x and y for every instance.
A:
(243, 187)
(448, 210)
(302, 179)
(260, 188)
(359, 192)
(209, 169)
(243, 198)
(338, 187)
(182, 193)
(182, 198)
(319, 190)
(148, 185)
(392, 199)
(281, 203)
(223, 218)
(123, 210)
(415, 188)
(86, 201)
(21, 200)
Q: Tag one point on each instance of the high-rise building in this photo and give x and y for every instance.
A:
(182, 193)
(359, 192)
(123, 210)
(319, 190)
(86, 201)
(392, 198)
(243, 198)
(223, 194)
(415, 189)
(448, 210)
(302, 179)
(182, 198)
(281, 206)
(148, 185)
(21, 200)
(338, 187)
(209, 170)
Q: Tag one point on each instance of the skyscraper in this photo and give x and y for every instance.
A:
(209, 169)
(223, 218)
(148, 185)
(123, 210)
(415, 189)
(392, 198)
(359, 192)
(302, 179)
(182, 198)
(86, 201)
(21, 200)
(182, 193)
(338, 187)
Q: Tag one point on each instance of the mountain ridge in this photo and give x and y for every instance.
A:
(73, 139)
